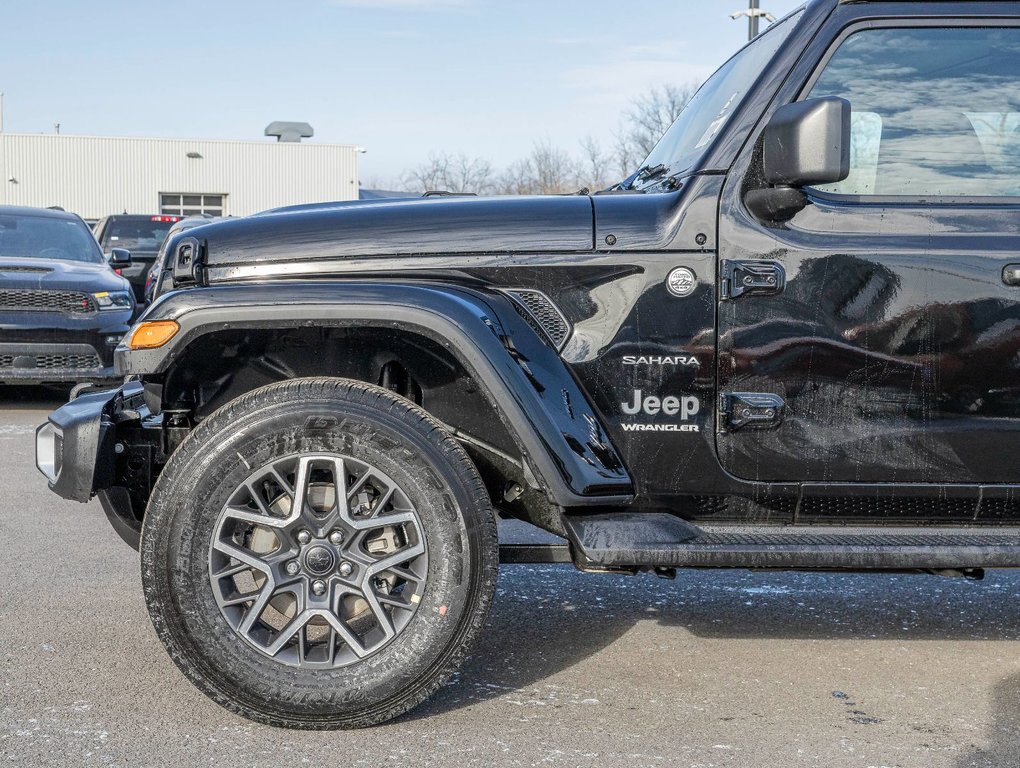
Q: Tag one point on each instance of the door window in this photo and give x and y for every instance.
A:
(935, 111)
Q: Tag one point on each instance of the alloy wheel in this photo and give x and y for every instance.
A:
(318, 560)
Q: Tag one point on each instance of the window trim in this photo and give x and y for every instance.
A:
(938, 22)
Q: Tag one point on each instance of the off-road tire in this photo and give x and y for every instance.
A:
(319, 415)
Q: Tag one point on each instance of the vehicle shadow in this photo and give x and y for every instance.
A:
(30, 398)
(1003, 738)
(546, 619)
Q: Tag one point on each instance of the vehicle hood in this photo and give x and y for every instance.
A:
(57, 275)
(419, 226)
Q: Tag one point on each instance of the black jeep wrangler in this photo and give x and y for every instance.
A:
(790, 340)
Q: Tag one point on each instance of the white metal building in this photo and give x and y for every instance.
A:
(95, 176)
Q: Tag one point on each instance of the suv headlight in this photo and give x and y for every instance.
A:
(114, 300)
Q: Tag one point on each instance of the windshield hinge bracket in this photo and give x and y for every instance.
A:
(187, 262)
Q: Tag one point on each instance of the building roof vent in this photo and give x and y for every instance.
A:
(294, 132)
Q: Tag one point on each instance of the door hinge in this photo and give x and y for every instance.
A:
(754, 410)
(750, 278)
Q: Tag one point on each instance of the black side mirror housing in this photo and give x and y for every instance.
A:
(806, 142)
(120, 257)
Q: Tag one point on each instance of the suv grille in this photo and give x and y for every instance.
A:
(48, 357)
(540, 312)
(70, 302)
(54, 361)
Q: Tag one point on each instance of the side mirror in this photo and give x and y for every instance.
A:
(120, 257)
(806, 142)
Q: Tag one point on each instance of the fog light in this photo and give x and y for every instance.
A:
(48, 450)
(112, 341)
(153, 334)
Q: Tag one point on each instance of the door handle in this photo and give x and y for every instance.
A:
(1011, 274)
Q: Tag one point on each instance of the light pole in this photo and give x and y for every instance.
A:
(753, 13)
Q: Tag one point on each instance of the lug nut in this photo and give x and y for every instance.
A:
(336, 537)
(346, 568)
(292, 567)
(319, 587)
(304, 537)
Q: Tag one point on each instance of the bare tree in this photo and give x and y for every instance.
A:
(547, 170)
(550, 170)
(471, 175)
(554, 170)
(625, 155)
(517, 178)
(452, 173)
(595, 168)
(647, 119)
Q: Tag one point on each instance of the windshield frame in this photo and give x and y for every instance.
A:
(692, 162)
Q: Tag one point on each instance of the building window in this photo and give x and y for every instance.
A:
(181, 204)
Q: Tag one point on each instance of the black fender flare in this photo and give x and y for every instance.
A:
(559, 433)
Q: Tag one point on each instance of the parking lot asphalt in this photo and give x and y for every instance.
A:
(713, 669)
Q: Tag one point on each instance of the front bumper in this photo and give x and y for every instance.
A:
(43, 347)
(74, 448)
(52, 363)
(77, 452)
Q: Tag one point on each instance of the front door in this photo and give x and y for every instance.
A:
(895, 343)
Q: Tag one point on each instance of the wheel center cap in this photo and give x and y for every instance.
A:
(320, 560)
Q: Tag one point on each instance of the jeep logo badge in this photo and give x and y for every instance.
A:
(319, 560)
(681, 282)
(686, 406)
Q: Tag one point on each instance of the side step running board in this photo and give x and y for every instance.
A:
(660, 540)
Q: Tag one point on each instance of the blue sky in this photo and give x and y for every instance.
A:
(401, 78)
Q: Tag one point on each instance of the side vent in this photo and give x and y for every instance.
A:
(538, 309)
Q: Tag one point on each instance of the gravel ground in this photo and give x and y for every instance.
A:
(713, 669)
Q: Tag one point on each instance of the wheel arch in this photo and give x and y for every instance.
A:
(498, 366)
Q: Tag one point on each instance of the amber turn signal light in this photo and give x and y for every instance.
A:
(153, 334)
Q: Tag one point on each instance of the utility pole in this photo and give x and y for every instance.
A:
(753, 13)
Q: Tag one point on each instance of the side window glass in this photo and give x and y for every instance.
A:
(935, 111)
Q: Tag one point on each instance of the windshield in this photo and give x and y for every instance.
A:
(139, 235)
(45, 237)
(711, 107)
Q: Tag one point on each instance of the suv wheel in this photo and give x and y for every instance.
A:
(319, 554)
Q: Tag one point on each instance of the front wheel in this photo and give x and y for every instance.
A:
(319, 554)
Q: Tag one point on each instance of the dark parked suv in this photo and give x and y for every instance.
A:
(142, 235)
(62, 308)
